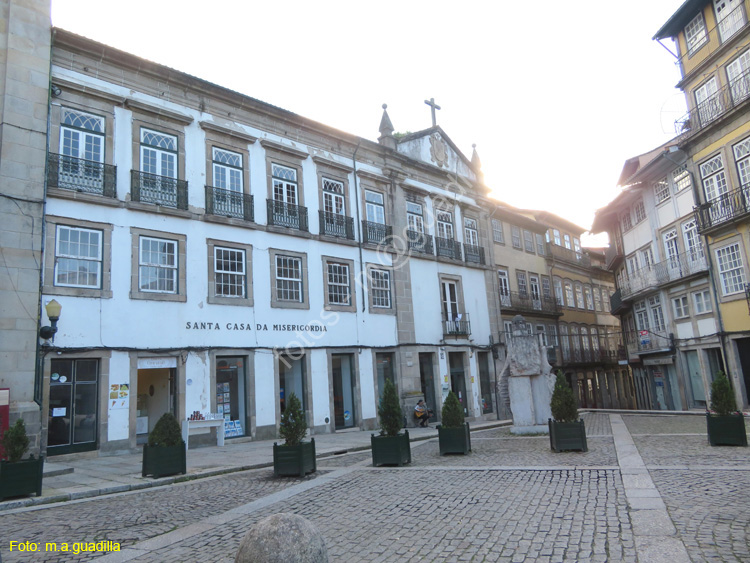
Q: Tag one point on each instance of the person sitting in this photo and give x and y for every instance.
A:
(422, 413)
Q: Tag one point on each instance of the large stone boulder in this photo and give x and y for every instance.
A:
(282, 538)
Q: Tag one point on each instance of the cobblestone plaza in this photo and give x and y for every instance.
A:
(510, 500)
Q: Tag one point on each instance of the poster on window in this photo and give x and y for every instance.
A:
(119, 396)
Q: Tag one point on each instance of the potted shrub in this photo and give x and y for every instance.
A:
(390, 447)
(294, 457)
(165, 452)
(726, 426)
(453, 434)
(19, 477)
(566, 431)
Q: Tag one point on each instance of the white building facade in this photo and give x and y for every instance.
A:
(213, 254)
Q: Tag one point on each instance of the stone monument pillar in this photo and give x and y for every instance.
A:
(530, 383)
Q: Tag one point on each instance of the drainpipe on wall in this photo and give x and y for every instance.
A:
(359, 227)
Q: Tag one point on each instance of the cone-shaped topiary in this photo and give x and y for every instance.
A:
(563, 404)
(15, 441)
(166, 432)
(722, 396)
(293, 426)
(453, 412)
(391, 415)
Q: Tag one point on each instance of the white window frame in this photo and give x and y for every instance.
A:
(338, 286)
(681, 178)
(289, 288)
(702, 302)
(708, 102)
(516, 236)
(414, 217)
(737, 77)
(680, 307)
(380, 288)
(528, 241)
(639, 212)
(661, 191)
(375, 207)
(556, 236)
(731, 269)
(158, 153)
(234, 277)
(285, 185)
(165, 274)
(78, 258)
(227, 170)
(559, 295)
(444, 224)
(497, 231)
(334, 202)
(695, 34)
(471, 231)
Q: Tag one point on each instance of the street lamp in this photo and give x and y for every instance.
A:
(53, 309)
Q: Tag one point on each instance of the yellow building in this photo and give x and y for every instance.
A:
(713, 50)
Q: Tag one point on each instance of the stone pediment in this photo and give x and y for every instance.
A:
(432, 146)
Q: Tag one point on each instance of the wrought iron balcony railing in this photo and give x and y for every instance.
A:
(448, 248)
(652, 342)
(669, 270)
(419, 242)
(712, 108)
(376, 233)
(287, 215)
(336, 225)
(571, 256)
(459, 325)
(474, 254)
(229, 204)
(723, 209)
(525, 302)
(86, 176)
(158, 190)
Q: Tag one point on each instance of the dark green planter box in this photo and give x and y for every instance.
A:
(391, 450)
(296, 460)
(160, 461)
(567, 436)
(726, 430)
(21, 478)
(454, 440)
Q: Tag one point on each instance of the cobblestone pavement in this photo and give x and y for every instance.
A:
(510, 500)
(133, 517)
(712, 513)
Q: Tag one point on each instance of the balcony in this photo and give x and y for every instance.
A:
(712, 108)
(376, 233)
(448, 248)
(673, 269)
(651, 342)
(85, 176)
(458, 326)
(336, 225)
(724, 209)
(570, 256)
(419, 242)
(287, 215)
(613, 255)
(158, 190)
(525, 303)
(616, 304)
(474, 254)
(227, 203)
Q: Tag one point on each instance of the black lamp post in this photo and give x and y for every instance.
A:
(53, 309)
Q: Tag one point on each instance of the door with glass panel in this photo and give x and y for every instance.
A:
(227, 169)
(672, 253)
(342, 374)
(73, 399)
(452, 317)
(708, 101)
(81, 152)
(504, 283)
(536, 298)
(159, 167)
(730, 17)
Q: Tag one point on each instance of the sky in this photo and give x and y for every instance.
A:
(555, 95)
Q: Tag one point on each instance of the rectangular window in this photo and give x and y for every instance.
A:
(157, 265)
(546, 289)
(557, 283)
(414, 217)
(78, 257)
(552, 335)
(579, 296)
(540, 245)
(284, 181)
(702, 302)
(597, 299)
(82, 151)
(657, 315)
(681, 178)
(714, 179)
(339, 291)
(708, 101)
(471, 232)
(742, 158)
(380, 286)
(229, 272)
(445, 224)
(522, 286)
(528, 241)
(516, 235)
(577, 245)
(289, 278)
(737, 75)
(641, 315)
(227, 169)
(566, 240)
(333, 197)
(606, 300)
(661, 191)
(556, 235)
(375, 207)
(639, 211)
(680, 305)
(589, 298)
(693, 245)
(570, 299)
(731, 271)
(627, 223)
(158, 153)
(695, 34)
(497, 231)
(504, 284)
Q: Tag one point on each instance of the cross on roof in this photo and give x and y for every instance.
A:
(433, 107)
